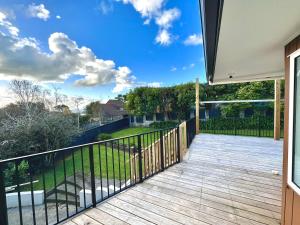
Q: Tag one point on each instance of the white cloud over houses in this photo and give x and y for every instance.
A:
(21, 58)
(194, 39)
(164, 18)
(38, 11)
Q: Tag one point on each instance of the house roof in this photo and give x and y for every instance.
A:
(245, 40)
(113, 108)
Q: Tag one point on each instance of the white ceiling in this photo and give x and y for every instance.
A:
(252, 37)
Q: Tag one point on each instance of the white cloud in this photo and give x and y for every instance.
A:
(105, 6)
(147, 8)
(190, 66)
(164, 38)
(38, 11)
(194, 39)
(5, 96)
(164, 18)
(58, 17)
(7, 25)
(124, 80)
(21, 58)
(173, 69)
(154, 84)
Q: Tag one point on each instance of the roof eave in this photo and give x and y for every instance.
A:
(211, 14)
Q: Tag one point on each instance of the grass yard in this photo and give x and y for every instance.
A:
(106, 160)
(146, 139)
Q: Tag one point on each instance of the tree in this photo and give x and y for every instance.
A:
(77, 102)
(178, 99)
(43, 132)
(28, 126)
(26, 94)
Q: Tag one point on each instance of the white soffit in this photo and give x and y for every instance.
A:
(252, 37)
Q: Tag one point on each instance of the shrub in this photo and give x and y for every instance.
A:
(163, 124)
(10, 173)
(104, 136)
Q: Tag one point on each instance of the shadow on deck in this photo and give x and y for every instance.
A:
(223, 180)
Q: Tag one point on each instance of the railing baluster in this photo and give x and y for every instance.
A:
(100, 170)
(45, 194)
(134, 159)
(106, 162)
(65, 180)
(75, 183)
(140, 159)
(120, 183)
(18, 188)
(178, 144)
(3, 206)
(162, 159)
(124, 160)
(83, 177)
(113, 165)
(32, 193)
(92, 172)
(55, 187)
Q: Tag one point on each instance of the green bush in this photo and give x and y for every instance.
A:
(104, 136)
(10, 173)
(238, 123)
(163, 124)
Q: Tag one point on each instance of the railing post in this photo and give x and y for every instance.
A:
(259, 129)
(92, 172)
(178, 144)
(162, 157)
(3, 206)
(140, 159)
(234, 124)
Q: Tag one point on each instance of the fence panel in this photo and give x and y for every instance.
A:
(257, 126)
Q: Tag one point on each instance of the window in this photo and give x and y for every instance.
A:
(294, 123)
(140, 119)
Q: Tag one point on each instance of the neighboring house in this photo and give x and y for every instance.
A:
(260, 40)
(146, 120)
(110, 111)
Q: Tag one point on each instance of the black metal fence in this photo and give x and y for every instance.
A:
(190, 130)
(258, 126)
(50, 187)
(90, 135)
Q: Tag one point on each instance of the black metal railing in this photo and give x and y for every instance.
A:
(50, 187)
(258, 126)
(190, 130)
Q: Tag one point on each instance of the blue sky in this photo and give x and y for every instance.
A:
(101, 48)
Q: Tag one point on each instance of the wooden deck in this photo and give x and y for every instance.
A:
(223, 180)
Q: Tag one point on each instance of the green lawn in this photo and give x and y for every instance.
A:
(146, 139)
(109, 160)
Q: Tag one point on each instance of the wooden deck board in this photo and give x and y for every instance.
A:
(223, 180)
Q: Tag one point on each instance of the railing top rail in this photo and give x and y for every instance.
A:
(79, 146)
